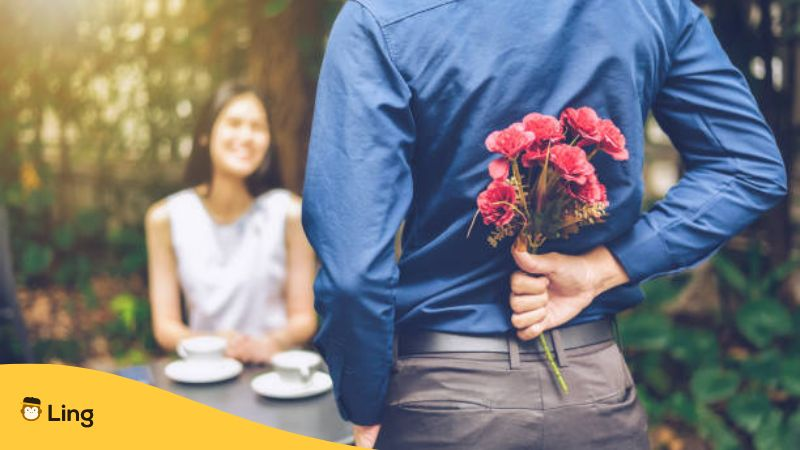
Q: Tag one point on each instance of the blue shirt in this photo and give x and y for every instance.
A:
(407, 94)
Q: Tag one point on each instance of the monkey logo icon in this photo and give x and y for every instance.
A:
(31, 408)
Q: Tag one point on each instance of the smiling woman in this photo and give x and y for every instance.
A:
(232, 240)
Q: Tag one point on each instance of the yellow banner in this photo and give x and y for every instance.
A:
(59, 407)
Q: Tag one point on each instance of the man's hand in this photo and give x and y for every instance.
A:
(366, 435)
(564, 287)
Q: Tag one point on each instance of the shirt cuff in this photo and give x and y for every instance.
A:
(642, 252)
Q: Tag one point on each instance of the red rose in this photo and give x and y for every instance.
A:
(593, 191)
(584, 121)
(496, 203)
(572, 163)
(546, 128)
(612, 141)
(511, 141)
(498, 169)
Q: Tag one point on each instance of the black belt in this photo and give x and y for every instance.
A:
(573, 336)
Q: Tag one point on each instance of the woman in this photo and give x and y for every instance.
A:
(232, 241)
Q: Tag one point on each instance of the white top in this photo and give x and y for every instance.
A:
(232, 275)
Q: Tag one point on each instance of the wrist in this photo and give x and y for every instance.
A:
(279, 340)
(608, 271)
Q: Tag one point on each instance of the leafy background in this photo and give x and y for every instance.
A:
(96, 113)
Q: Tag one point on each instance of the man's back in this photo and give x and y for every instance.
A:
(408, 93)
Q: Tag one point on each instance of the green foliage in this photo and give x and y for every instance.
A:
(734, 378)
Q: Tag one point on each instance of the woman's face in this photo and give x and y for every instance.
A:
(239, 138)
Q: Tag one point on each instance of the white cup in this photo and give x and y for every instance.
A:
(202, 348)
(296, 366)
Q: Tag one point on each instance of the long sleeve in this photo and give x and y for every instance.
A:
(358, 189)
(734, 170)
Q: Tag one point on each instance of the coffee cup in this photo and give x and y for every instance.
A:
(296, 366)
(202, 348)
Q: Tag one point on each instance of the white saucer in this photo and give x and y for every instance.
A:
(270, 385)
(202, 371)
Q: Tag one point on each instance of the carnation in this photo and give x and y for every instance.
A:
(496, 203)
(511, 141)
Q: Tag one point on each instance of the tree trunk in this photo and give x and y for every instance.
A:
(282, 68)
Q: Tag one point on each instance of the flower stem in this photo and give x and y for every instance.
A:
(520, 190)
(542, 181)
(561, 382)
(592, 154)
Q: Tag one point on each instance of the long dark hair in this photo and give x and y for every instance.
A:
(198, 166)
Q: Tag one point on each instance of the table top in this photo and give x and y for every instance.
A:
(315, 416)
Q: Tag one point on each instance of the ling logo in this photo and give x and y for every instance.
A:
(32, 410)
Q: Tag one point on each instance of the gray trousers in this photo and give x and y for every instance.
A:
(510, 401)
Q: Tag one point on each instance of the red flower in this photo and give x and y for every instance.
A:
(533, 155)
(498, 169)
(496, 203)
(511, 141)
(584, 121)
(593, 191)
(612, 141)
(572, 163)
(546, 128)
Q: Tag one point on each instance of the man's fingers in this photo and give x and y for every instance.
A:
(524, 284)
(541, 264)
(524, 303)
(528, 319)
(531, 332)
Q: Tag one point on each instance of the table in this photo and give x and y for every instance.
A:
(315, 416)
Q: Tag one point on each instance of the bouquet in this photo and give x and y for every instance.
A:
(544, 185)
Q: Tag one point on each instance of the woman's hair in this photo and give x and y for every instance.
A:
(198, 167)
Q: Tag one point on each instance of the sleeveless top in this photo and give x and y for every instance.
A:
(232, 275)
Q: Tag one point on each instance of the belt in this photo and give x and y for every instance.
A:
(574, 336)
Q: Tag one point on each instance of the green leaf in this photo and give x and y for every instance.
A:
(679, 405)
(645, 331)
(694, 345)
(730, 274)
(714, 384)
(713, 428)
(663, 290)
(772, 433)
(124, 306)
(760, 321)
(779, 273)
(36, 259)
(274, 8)
(790, 375)
(655, 375)
(763, 367)
(90, 223)
(793, 431)
(64, 237)
(749, 411)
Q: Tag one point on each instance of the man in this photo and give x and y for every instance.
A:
(407, 94)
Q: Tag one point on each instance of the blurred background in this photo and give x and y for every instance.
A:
(98, 100)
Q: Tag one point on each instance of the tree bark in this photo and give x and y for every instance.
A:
(281, 63)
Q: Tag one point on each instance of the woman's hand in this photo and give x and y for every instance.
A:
(252, 349)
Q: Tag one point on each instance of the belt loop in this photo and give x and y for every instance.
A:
(558, 347)
(616, 333)
(513, 350)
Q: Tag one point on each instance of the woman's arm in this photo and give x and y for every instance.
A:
(301, 266)
(165, 301)
(299, 295)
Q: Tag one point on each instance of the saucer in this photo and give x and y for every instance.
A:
(270, 385)
(202, 371)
